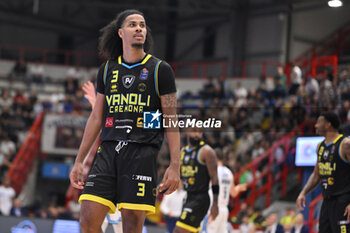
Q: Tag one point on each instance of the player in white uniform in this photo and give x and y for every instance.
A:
(227, 189)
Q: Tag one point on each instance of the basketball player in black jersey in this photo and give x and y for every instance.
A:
(133, 88)
(198, 168)
(333, 172)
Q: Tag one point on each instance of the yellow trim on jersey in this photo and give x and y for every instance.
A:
(105, 72)
(120, 60)
(187, 227)
(335, 140)
(156, 77)
(198, 157)
(146, 59)
(131, 206)
(103, 201)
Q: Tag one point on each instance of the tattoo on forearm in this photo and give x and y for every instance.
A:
(169, 100)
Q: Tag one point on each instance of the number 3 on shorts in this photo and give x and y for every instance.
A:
(141, 191)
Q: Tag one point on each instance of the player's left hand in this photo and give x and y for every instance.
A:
(171, 180)
(214, 211)
(347, 212)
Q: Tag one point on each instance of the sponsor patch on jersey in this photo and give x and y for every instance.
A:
(114, 88)
(109, 122)
(139, 122)
(128, 80)
(144, 74)
(151, 120)
(142, 87)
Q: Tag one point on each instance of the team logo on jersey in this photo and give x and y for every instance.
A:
(325, 154)
(151, 120)
(142, 87)
(186, 159)
(109, 122)
(144, 74)
(128, 80)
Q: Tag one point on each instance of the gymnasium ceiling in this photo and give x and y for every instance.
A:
(85, 17)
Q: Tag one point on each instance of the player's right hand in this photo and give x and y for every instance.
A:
(301, 201)
(90, 94)
(76, 176)
(214, 212)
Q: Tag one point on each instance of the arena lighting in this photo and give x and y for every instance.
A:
(335, 3)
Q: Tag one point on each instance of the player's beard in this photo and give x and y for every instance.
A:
(137, 46)
(194, 141)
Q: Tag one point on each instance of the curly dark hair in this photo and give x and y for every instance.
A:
(332, 118)
(110, 44)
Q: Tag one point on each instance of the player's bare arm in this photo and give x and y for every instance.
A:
(172, 175)
(209, 157)
(92, 129)
(345, 153)
(345, 149)
(312, 182)
(237, 189)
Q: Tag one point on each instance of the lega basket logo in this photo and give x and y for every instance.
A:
(143, 74)
(151, 120)
(128, 80)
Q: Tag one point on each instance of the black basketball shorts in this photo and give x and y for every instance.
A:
(123, 174)
(193, 211)
(332, 219)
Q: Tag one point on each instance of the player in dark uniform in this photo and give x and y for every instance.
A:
(133, 88)
(198, 168)
(333, 171)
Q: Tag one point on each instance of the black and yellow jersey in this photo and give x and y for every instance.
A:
(194, 173)
(131, 90)
(333, 169)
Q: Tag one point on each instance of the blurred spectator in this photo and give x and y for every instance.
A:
(246, 226)
(6, 195)
(36, 73)
(280, 83)
(70, 86)
(17, 209)
(344, 85)
(8, 147)
(5, 99)
(311, 87)
(208, 90)
(299, 226)
(19, 71)
(5, 163)
(240, 94)
(296, 79)
(38, 108)
(272, 225)
(171, 207)
(288, 220)
(19, 99)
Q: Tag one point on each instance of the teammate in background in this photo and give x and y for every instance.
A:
(131, 83)
(333, 171)
(227, 189)
(198, 168)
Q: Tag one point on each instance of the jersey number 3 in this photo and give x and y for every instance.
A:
(141, 191)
